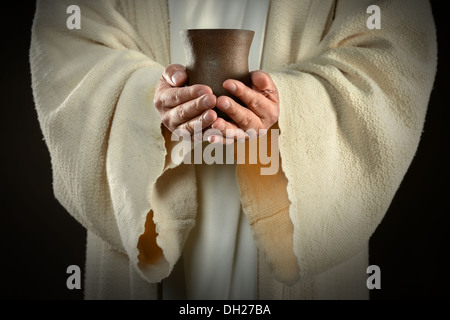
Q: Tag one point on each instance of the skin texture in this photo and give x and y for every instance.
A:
(181, 107)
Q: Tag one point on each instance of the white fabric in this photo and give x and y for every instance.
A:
(220, 258)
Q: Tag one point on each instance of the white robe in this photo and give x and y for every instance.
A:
(352, 106)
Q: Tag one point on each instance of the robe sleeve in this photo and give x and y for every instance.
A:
(93, 89)
(351, 117)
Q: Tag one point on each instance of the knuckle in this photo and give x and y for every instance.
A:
(274, 114)
(165, 119)
(157, 102)
(180, 112)
(253, 101)
(188, 126)
(176, 97)
(246, 121)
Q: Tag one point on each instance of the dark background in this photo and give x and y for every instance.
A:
(39, 239)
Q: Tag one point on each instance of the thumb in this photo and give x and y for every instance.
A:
(175, 74)
(263, 83)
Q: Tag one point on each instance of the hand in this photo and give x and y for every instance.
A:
(181, 107)
(263, 109)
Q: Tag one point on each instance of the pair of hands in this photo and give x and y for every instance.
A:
(184, 107)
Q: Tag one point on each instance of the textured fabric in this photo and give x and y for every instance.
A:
(356, 100)
(220, 255)
(352, 107)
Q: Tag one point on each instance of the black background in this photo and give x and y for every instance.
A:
(39, 239)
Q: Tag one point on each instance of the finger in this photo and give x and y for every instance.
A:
(219, 139)
(197, 124)
(262, 82)
(172, 97)
(230, 132)
(175, 74)
(243, 117)
(191, 109)
(214, 135)
(252, 99)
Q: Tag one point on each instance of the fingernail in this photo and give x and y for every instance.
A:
(231, 87)
(219, 127)
(207, 101)
(226, 104)
(201, 92)
(207, 117)
(177, 77)
(215, 139)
